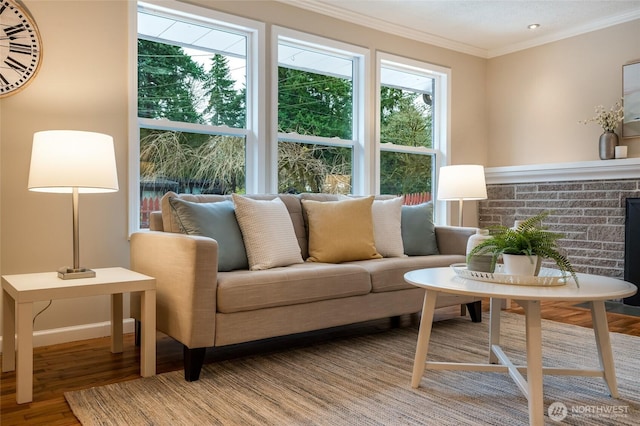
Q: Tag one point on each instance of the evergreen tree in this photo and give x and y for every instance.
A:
(166, 77)
(405, 121)
(314, 104)
(225, 105)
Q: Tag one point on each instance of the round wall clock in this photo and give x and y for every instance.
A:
(20, 47)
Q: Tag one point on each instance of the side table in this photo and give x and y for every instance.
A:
(20, 291)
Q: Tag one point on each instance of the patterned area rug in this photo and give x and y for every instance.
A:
(365, 380)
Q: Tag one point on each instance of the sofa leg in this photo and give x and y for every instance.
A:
(395, 321)
(193, 360)
(136, 332)
(475, 311)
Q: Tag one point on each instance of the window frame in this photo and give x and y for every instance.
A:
(256, 116)
(360, 185)
(441, 121)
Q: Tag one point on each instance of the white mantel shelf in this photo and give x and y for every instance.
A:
(626, 168)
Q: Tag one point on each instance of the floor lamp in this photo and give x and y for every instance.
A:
(73, 162)
(461, 182)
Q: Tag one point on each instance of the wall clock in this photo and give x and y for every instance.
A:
(20, 47)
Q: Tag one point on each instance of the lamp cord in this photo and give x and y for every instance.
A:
(41, 311)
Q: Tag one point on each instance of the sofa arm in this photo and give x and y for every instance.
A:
(185, 268)
(453, 239)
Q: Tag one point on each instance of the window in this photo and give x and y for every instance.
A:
(201, 112)
(412, 123)
(196, 103)
(319, 86)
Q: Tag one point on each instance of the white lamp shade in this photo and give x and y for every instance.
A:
(65, 159)
(462, 182)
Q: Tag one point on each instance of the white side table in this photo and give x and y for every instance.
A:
(22, 290)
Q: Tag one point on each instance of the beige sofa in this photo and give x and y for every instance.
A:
(201, 307)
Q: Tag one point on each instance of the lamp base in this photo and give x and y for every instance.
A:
(72, 274)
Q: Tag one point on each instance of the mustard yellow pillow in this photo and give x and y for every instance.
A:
(340, 231)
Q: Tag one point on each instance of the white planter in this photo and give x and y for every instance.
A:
(515, 264)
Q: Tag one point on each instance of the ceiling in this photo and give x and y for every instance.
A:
(480, 27)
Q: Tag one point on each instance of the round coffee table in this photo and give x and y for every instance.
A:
(594, 289)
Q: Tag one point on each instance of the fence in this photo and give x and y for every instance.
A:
(148, 205)
(416, 198)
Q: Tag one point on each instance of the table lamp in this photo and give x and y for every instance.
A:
(462, 182)
(73, 162)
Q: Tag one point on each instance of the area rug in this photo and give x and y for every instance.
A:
(365, 380)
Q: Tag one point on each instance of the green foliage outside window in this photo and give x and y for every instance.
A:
(166, 76)
(175, 87)
(314, 104)
(405, 119)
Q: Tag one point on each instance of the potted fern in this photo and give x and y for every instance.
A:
(528, 243)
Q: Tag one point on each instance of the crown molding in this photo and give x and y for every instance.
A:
(384, 26)
(381, 25)
(561, 35)
(627, 168)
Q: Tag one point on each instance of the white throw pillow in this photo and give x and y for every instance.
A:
(267, 230)
(387, 227)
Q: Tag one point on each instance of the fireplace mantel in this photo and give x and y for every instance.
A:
(626, 168)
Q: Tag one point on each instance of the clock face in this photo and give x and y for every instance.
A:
(20, 47)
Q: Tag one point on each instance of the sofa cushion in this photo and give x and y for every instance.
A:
(217, 221)
(268, 233)
(387, 230)
(300, 283)
(292, 202)
(169, 221)
(388, 274)
(418, 230)
(340, 231)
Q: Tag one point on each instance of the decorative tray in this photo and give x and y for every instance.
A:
(546, 276)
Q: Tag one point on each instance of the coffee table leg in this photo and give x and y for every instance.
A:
(24, 372)
(422, 347)
(534, 360)
(494, 327)
(8, 332)
(603, 342)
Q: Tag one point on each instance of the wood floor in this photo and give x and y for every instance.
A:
(84, 364)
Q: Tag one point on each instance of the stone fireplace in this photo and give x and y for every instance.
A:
(588, 201)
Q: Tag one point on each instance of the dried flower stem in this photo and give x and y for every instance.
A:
(608, 120)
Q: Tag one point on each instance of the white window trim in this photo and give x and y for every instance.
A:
(441, 125)
(256, 115)
(150, 123)
(361, 167)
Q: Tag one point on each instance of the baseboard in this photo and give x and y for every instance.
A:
(56, 336)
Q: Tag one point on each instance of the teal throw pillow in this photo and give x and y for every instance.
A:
(217, 221)
(418, 230)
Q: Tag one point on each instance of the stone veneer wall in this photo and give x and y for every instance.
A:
(590, 213)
